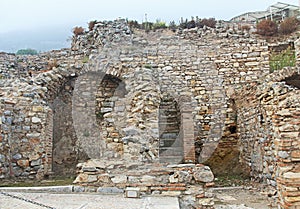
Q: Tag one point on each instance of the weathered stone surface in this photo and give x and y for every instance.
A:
(23, 163)
(103, 178)
(203, 174)
(113, 112)
(109, 190)
(81, 178)
(35, 120)
(120, 179)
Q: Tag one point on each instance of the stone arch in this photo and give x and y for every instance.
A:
(60, 138)
(61, 132)
(64, 155)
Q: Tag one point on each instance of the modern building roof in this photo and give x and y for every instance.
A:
(278, 11)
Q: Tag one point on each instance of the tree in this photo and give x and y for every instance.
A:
(27, 52)
(267, 27)
(288, 25)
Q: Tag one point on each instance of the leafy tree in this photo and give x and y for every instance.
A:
(27, 52)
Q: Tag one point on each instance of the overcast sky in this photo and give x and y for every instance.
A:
(32, 14)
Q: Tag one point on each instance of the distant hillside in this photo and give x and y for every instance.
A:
(41, 40)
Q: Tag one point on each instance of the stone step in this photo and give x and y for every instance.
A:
(170, 151)
(168, 119)
(171, 159)
(169, 124)
(164, 143)
(168, 115)
(167, 109)
(169, 135)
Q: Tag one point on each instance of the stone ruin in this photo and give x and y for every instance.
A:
(124, 108)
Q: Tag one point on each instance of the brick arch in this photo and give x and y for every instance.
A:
(62, 140)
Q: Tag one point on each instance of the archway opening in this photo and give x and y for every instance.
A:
(170, 142)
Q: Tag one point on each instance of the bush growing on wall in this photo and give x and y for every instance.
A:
(288, 25)
(267, 27)
(200, 23)
(172, 26)
(92, 25)
(159, 25)
(133, 24)
(210, 22)
(78, 31)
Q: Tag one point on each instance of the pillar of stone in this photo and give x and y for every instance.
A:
(187, 130)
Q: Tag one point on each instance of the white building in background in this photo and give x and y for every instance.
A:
(277, 12)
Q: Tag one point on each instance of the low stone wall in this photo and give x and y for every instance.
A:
(149, 178)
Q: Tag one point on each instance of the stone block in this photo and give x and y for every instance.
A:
(203, 174)
(148, 179)
(23, 163)
(132, 192)
(206, 202)
(81, 178)
(35, 162)
(36, 120)
(119, 179)
(37, 109)
(109, 190)
(171, 193)
(104, 178)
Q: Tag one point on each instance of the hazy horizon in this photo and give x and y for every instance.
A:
(46, 25)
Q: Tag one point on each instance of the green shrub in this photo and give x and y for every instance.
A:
(147, 26)
(27, 52)
(159, 25)
(267, 27)
(283, 59)
(85, 59)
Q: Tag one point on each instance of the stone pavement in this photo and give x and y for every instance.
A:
(28, 199)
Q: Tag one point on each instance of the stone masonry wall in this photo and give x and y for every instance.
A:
(200, 63)
(202, 69)
(268, 123)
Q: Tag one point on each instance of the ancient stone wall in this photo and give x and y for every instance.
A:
(108, 98)
(201, 65)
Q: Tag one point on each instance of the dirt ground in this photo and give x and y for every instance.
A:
(240, 198)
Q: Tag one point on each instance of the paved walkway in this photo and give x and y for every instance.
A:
(41, 200)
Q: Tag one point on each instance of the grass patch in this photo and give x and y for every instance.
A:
(283, 59)
(148, 66)
(57, 181)
(231, 180)
(85, 59)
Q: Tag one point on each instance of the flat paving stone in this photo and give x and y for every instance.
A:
(83, 201)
